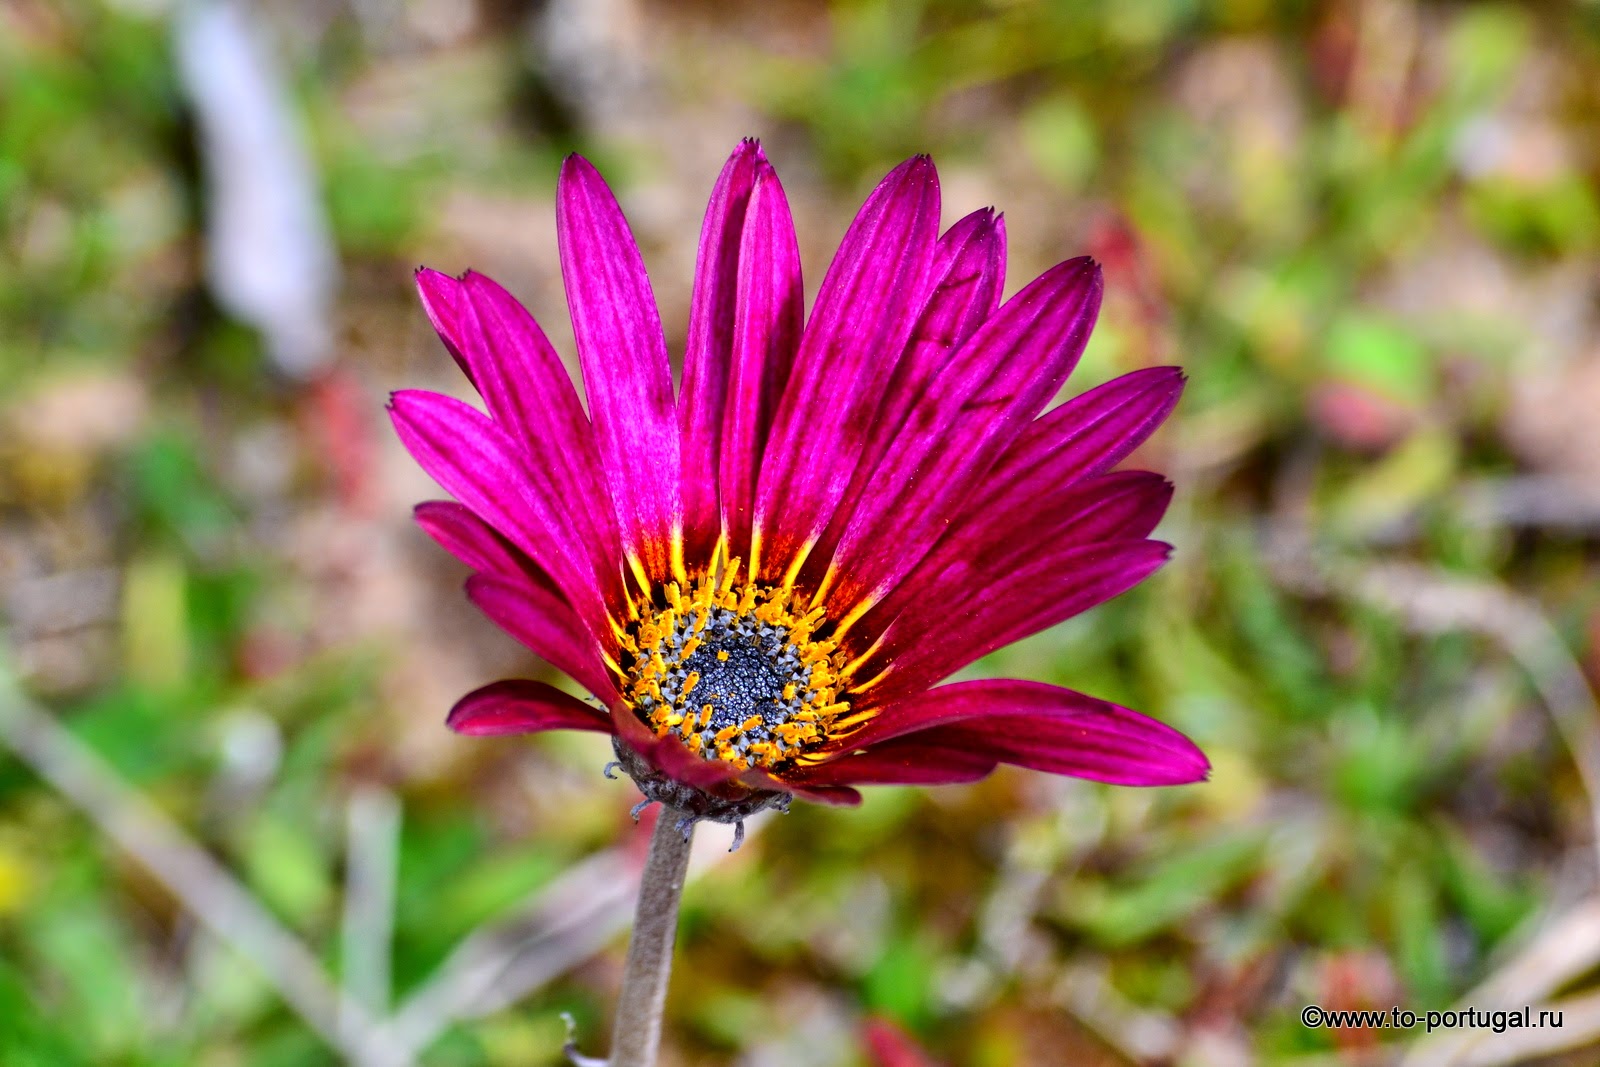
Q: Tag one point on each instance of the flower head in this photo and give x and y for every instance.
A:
(761, 578)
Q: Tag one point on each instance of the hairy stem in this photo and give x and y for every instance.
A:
(637, 1033)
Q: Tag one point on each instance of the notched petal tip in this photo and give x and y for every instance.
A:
(1168, 378)
(478, 285)
(402, 402)
(578, 167)
(578, 180)
(918, 170)
(1083, 264)
(434, 285)
(977, 226)
(434, 273)
(987, 223)
(1077, 281)
(442, 300)
(1184, 764)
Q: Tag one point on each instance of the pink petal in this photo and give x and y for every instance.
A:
(474, 542)
(477, 463)
(969, 265)
(527, 390)
(768, 320)
(971, 412)
(970, 272)
(708, 353)
(983, 546)
(445, 305)
(625, 366)
(669, 755)
(989, 611)
(1087, 435)
(523, 707)
(1042, 727)
(840, 796)
(902, 761)
(547, 625)
(869, 301)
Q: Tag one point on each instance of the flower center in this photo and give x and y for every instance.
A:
(735, 670)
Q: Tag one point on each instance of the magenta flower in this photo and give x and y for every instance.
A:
(762, 580)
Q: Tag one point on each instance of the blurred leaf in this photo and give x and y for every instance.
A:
(173, 493)
(729, 1017)
(882, 811)
(18, 876)
(1400, 484)
(513, 1039)
(497, 883)
(1381, 355)
(1415, 926)
(1061, 139)
(900, 983)
(1276, 644)
(148, 737)
(1170, 889)
(1484, 45)
(88, 953)
(230, 995)
(1559, 216)
(374, 206)
(436, 848)
(1378, 765)
(29, 1037)
(1147, 22)
(285, 865)
(289, 1047)
(1493, 904)
(155, 623)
